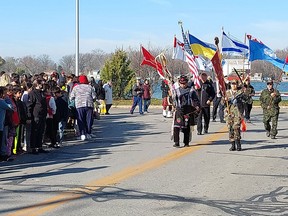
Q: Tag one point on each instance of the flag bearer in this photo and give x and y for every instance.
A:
(187, 105)
(233, 115)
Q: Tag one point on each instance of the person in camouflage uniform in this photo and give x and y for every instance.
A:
(233, 115)
(269, 100)
(249, 92)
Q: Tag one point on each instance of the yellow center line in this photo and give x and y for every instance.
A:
(90, 188)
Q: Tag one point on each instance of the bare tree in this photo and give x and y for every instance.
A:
(30, 64)
(68, 63)
(99, 58)
(10, 65)
(45, 63)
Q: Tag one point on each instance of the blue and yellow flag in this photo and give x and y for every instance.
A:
(201, 48)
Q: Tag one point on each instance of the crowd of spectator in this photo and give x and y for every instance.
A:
(36, 109)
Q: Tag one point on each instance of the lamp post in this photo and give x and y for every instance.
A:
(77, 40)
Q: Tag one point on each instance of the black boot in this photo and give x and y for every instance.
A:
(176, 145)
(186, 144)
(238, 143)
(233, 148)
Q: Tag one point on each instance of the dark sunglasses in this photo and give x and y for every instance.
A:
(233, 83)
(269, 83)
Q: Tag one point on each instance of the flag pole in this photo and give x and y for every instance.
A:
(140, 51)
(216, 40)
(278, 80)
(77, 40)
(244, 79)
(249, 62)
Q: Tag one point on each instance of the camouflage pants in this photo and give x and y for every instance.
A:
(273, 118)
(233, 125)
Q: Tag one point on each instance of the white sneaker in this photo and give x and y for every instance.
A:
(169, 114)
(164, 113)
(83, 137)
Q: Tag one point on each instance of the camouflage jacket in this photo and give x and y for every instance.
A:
(269, 102)
(248, 93)
(234, 99)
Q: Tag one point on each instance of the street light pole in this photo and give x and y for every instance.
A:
(77, 40)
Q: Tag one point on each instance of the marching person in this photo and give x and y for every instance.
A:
(187, 104)
(206, 94)
(269, 100)
(233, 115)
(249, 92)
(217, 103)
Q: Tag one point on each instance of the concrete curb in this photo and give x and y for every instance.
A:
(159, 106)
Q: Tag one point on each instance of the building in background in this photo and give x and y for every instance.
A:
(256, 77)
(229, 64)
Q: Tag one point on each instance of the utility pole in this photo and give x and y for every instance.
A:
(77, 40)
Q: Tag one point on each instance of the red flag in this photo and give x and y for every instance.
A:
(286, 60)
(150, 60)
(219, 72)
(243, 125)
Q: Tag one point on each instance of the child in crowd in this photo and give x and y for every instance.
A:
(4, 106)
(27, 127)
(12, 121)
(61, 99)
(21, 108)
(51, 126)
(36, 114)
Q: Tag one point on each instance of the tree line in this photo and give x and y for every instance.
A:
(121, 67)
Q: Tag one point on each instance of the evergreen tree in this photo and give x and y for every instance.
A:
(118, 70)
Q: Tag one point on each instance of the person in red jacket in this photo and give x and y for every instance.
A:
(13, 120)
(146, 95)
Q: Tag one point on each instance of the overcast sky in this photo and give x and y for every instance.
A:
(36, 27)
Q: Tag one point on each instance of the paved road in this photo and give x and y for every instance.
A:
(131, 168)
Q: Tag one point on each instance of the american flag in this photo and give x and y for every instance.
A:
(191, 60)
(193, 69)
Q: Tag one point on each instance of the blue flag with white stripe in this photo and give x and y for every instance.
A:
(233, 46)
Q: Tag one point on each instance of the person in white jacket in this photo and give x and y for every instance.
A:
(108, 96)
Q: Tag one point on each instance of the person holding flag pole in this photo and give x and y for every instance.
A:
(231, 97)
(160, 64)
(185, 99)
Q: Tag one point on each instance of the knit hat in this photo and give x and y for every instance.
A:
(83, 79)
(183, 79)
